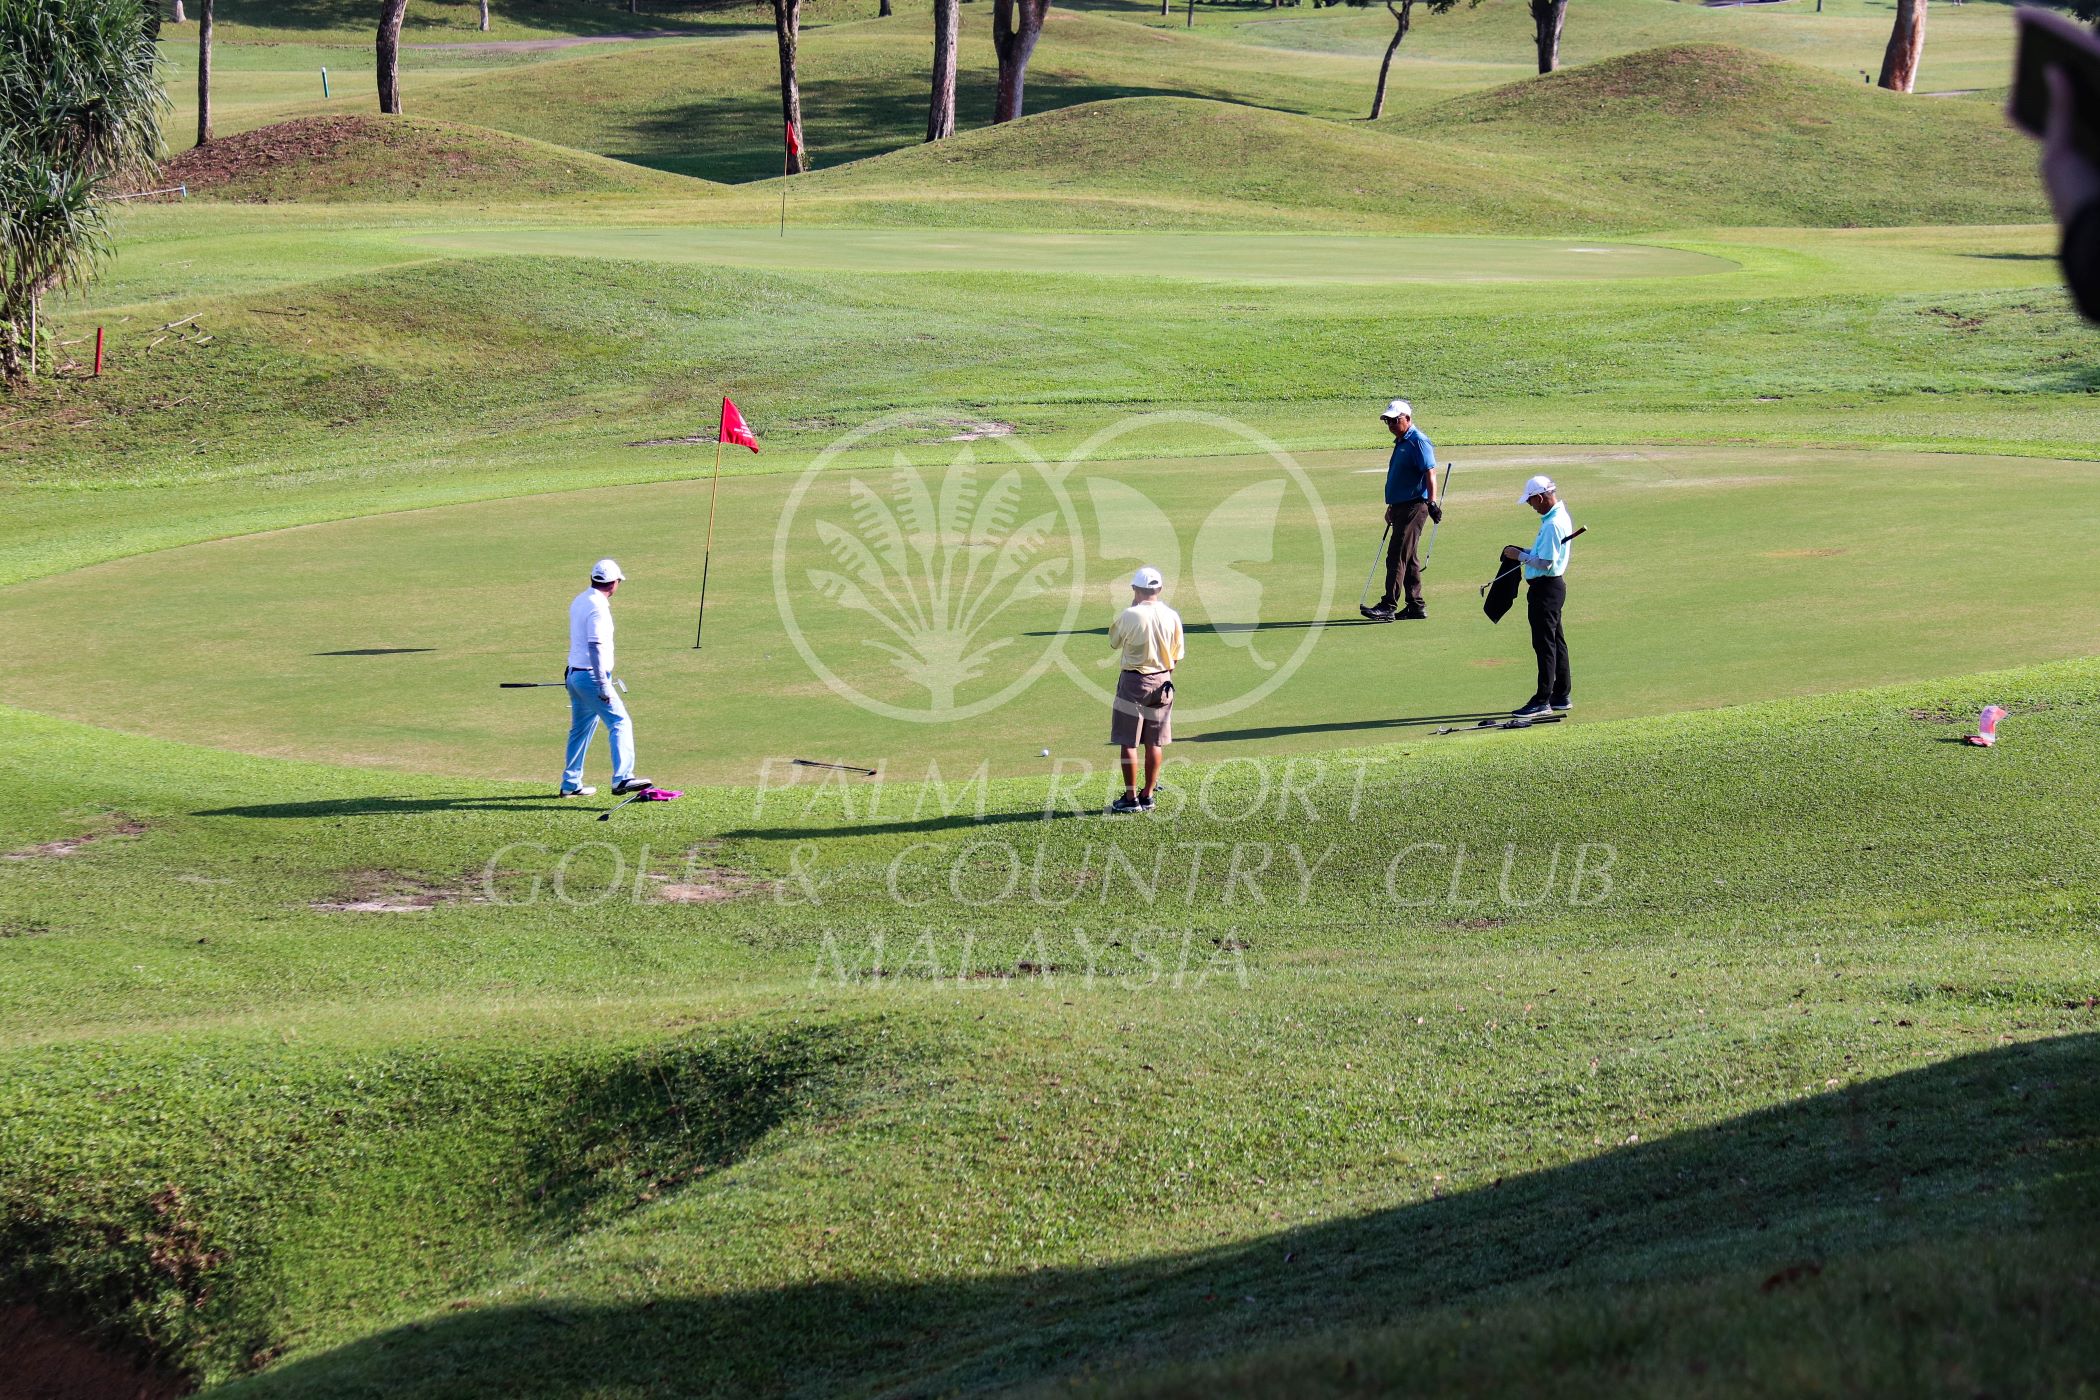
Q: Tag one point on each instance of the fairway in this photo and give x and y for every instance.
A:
(1206, 257)
(1709, 577)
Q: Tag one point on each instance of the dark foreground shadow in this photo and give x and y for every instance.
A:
(1998, 1141)
(956, 821)
(410, 806)
(1346, 726)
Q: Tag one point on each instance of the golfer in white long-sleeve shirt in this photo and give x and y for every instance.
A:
(592, 697)
(1546, 592)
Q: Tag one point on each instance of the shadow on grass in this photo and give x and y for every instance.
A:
(1346, 726)
(377, 651)
(1998, 1141)
(402, 806)
(1225, 629)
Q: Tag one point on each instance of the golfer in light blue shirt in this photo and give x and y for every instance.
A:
(1546, 592)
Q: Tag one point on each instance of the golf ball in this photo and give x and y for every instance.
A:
(1044, 754)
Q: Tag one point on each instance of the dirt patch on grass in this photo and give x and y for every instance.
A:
(1825, 553)
(1491, 661)
(40, 1359)
(74, 845)
(386, 892)
(708, 886)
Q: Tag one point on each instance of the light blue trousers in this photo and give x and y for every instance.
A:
(586, 712)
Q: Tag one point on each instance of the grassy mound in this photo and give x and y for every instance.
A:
(1182, 160)
(371, 159)
(1712, 134)
(863, 89)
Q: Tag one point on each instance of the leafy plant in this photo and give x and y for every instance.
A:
(80, 105)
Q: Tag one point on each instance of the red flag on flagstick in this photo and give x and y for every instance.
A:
(735, 429)
(794, 141)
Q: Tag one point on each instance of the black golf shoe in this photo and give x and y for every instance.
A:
(1378, 614)
(1412, 613)
(1532, 710)
(1126, 803)
(621, 789)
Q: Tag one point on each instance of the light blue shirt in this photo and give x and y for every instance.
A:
(1548, 555)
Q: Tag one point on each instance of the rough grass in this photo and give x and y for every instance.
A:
(384, 160)
(847, 1141)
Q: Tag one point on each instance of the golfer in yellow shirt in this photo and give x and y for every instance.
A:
(1148, 634)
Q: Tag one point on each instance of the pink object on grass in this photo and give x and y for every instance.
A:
(1986, 727)
(661, 794)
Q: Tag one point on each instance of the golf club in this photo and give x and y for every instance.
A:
(1363, 599)
(635, 796)
(547, 685)
(841, 767)
(1580, 530)
(1436, 525)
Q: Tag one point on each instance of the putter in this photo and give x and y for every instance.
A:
(841, 767)
(1363, 599)
(547, 685)
(1579, 530)
(1436, 525)
(635, 796)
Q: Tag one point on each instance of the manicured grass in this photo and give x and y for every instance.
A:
(1740, 1051)
(1710, 577)
(539, 1147)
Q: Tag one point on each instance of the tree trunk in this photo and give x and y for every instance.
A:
(484, 16)
(940, 112)
(391, 13)
(787, 28)
(884, 11)
(1899, 62)
(1016, 25)
(180, 17)
(204, 74)
(1402, 17)
(1547, 17)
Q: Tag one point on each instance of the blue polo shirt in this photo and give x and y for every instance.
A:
(1412, 464)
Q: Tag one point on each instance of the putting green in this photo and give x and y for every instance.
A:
(1222, 257)
(851, 618)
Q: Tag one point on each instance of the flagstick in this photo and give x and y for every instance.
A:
(708, 558)
(786, 168)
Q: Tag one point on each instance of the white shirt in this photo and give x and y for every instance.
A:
(590, 620)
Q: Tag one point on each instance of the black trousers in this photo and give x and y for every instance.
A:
(1542, 604)
(1403, 555)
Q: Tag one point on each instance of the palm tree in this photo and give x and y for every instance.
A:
(204, 73)
(940, 111)
(1906, 47)
(787, 30)
(80, 105)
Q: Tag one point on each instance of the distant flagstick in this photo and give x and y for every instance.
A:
(733, 429)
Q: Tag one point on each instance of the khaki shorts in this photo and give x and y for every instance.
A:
(1135, 723)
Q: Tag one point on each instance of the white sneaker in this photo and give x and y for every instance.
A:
(578, 792)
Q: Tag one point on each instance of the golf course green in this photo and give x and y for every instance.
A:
(1713, 576)
(1733, 1034)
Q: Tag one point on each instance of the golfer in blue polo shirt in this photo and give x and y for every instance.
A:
(1545, 567)
(1410, 499)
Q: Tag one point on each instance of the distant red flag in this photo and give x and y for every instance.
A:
(794, 140)
(735, 429)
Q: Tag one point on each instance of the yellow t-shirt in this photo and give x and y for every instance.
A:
(1149, 635)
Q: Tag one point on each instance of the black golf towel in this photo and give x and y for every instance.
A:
(1501, 595)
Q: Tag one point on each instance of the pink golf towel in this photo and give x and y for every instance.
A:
(661, 794)
(1986, 727)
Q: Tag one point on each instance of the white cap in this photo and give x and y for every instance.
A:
(606, 571)
(1148, 579)
(1398, 407)
(1537, 486)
